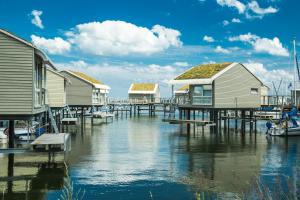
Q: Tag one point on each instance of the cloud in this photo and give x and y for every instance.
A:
(208, 38)
(236, 20)
(269, 76)
(234, 4)
(226, 23)
(220, 49)
(263, 45)
(53, 46)
(181, 64)
(126, 73)
(122, 38)
(36, 20)
(250, 10)
(254, 7)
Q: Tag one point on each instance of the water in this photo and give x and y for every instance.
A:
(144, 158)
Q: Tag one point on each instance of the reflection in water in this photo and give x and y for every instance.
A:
(143, 158)
(29, 176)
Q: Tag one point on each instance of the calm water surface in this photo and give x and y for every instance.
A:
(144, 158)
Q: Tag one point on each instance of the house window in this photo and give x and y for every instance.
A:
(202, 95)
(254, 91)
(96, 96)
(38, 80)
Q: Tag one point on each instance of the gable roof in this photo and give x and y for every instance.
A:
(203, 71)
(183, 90)
(143, 88)
(37, 51)
(88, 79)
(207, 74)
(16, 38)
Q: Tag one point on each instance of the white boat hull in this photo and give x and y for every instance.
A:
(279, 131)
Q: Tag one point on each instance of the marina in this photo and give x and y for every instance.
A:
(149, 100)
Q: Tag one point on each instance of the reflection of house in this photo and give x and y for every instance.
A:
(22, 78)
(224, 85)
(85, 90)
(144, 93)
(182, 94)
(56, 89)
(22, 178)
(217, 164)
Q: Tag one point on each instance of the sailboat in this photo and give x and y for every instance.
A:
(288, 125)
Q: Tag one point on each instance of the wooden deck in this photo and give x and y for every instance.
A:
(69, 121)
(52, 142)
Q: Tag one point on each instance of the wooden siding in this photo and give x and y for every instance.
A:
(16, 77)
(232, 89)
(78, 92)
(56, 95)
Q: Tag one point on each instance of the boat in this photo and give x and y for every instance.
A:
(281, 130)
(23, 132)
(288, 124)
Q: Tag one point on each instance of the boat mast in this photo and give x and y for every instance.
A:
(295, 72)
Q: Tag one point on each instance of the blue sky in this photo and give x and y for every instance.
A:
(120, 42)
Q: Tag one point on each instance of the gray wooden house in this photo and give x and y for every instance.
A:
(224, 85)
(56, 89)
(144, 93)
(22, 78)
(84, 90)
(182, 94)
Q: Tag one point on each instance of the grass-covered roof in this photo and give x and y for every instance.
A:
(86, 77)
(203, 71)
(183, 88)
(143, 86)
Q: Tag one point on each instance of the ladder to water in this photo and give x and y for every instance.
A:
(53, 122)
(69, 111)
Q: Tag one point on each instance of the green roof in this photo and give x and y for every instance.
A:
(184, 88)
(87, 78)
(203, 71)
(143, 87)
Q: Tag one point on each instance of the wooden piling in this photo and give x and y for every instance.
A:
(11, 134)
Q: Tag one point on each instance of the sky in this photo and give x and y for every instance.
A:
(121, 42)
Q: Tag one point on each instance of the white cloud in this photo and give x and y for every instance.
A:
(236, 20)
(122, 38)
(269, 76)
(250, 10)
(264, 45)
(53, 46)
(254, 7)
(226, 23)
(233, 3)
(208, 38)
(220, 49)
(36, 20)
(126, 73)
(181, 64)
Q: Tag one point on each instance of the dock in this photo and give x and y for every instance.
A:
(69, 121)
(52, 142)
(196, 122)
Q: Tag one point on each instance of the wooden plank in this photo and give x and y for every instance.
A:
(51, 139)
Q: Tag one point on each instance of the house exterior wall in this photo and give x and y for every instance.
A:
(233, 89)
(56, 91)
(16, 77)
(182, 98)
(78, 92)
(141, 98)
